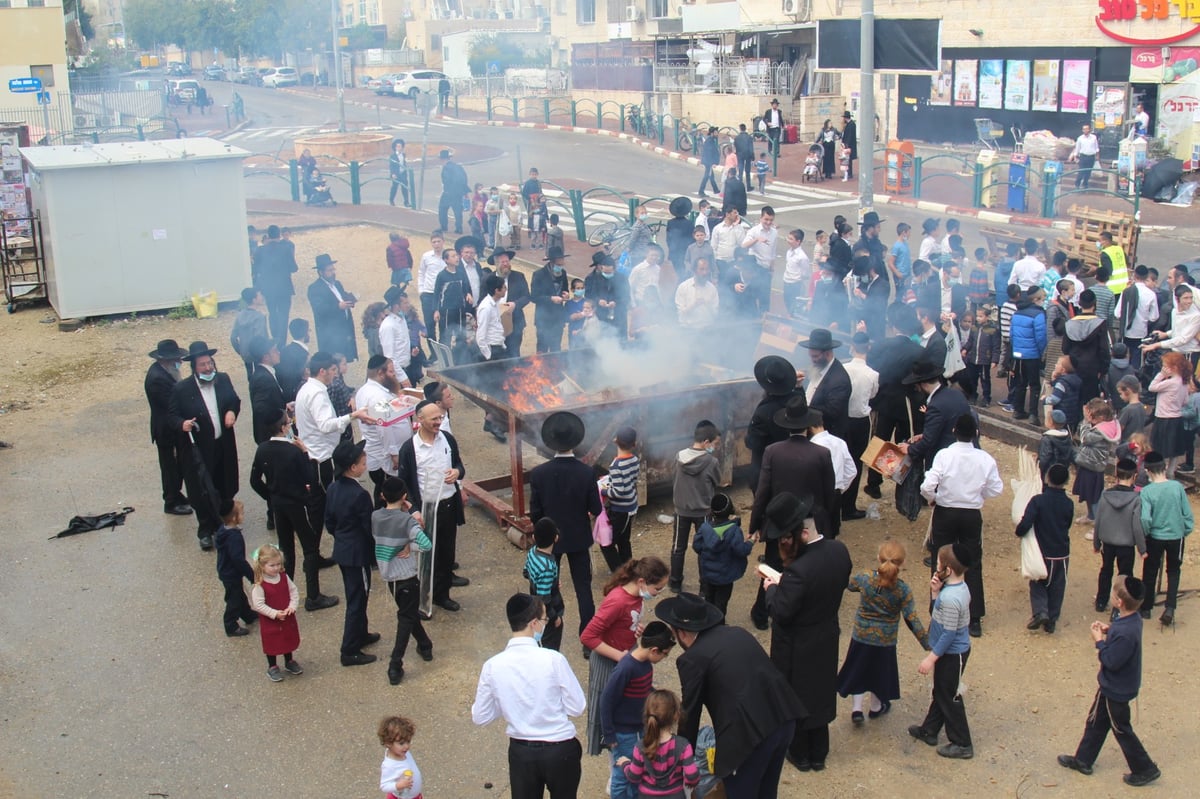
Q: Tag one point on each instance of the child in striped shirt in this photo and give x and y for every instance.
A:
(622, 498)
(396, 532)
(663, 763)
(1006, 314)
(541, 569)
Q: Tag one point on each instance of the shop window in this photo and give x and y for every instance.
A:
(659, 9)
(585, 12)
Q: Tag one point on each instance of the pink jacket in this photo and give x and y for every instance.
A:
(1172, 395)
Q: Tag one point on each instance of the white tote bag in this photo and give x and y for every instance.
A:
(1033, 567)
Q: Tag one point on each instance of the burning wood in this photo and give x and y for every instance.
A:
(533, 386)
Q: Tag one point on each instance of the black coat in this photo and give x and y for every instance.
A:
(832, 398)
(274, 263)
(160, 382)
(762, 430)
(408, 472)
(727, 671)
(614, 289)
(893, 359)
(734, 195)
(941, 413)
(874, 308)
(281, 474)
(335, 326)
(935, 349)
(850, 138)
(348, 509)
(290, 371)
(266, 402)
(743, 146)
(564, 489)
(796, 465)
(804, 637)
(548, 314)
(518, 295)
(840, 256)
(187, 403)
(710, 151)
(679, 238)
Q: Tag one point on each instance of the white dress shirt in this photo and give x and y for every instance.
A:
(864, 385)
(962, 477)
(763, 251)
(1027, 272)
(727, 238)
(533, 689)
(696, 304)
(843, 465)
(1184, 327)
(319, 427)
(1087, 144)
(1145, 312)
(489, 331)
(433, 461)
(394, 343)
(929, 248)
(641, 278)
(431, 266)
(382, 442)
(208, 393)
(797, 267)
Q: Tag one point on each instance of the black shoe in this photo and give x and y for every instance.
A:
(395, 675)
(818, 765)
(1142, 777)
(587, 653)
(270, 522)
(178, 510)
(1049, 626)
(928, 561)
(320, 602)
(357, 659)
(1101, 606)
(975, 629)
(454, 566)
(237, 632)
(458, 582)
(326, 563)
(1145, 613)
(918, 732)
(448, 604)
(761, 624)
(884, 707)
(1037, 621)
(956, 752)
(1074, 763)
(426, 654)
(799, 763)
(873, 492)
(854, 515)
(206, 543)
(857, 718)
(675, 588)
(372, 638)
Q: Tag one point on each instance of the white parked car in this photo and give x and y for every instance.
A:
(410, 84)
(281, 76)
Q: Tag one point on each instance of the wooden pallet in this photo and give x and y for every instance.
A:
(1084, 235)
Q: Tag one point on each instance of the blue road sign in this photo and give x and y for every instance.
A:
(493, 67)
(24, 85)
(43, 98)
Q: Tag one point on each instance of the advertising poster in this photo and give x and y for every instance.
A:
(1108, 105)
(1045, 85)
(941, 90)
(1075, 86)
(965, 75)
(14, 201)
(991, 83)
(1147, 64)
(1016, 86)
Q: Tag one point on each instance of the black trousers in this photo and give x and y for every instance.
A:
(1110, 553)
(891, 424)
(684, 526)
(745, 170)
(810, 744)
(402, 185)
(1029, 381)
(428, 306)
(1156, 549)
(512, 343)
(718, 594)
(1046, 596)
(963, 526)
(357, 582)
(207, 520)
(947, 707)
(170, 470)
(1112, 714)
(291, 523)
(858, 435)
(535, 766)
(549, 338)
(621, 549)
(236, 605)
(1084, 176)
(979, 377)
(320, 477)
(757, 777)
(444, 551)
(407, 594)
(580, 564)
(447, 203)
(278, 308)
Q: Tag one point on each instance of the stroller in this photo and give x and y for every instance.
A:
(1151, 365)
(316, 190)
(812, 163)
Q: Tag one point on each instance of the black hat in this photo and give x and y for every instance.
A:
(1136, 589)
(923, 371)
(376, 361)
(688, 612)
(1153, 459)
(518, 605)
(860, 340)
(562, 431)
(819, 339)
(775, 374)
(198, 349)
(721, 505)
(392, 295)
(444, 154)
(786, 513)
(323, 260)
(845, 115)
(774, 101)
(1058, 474)
(962, 553)
(346, 455)
(680, 206)
(870, 219)
(554, 253)
(796, 414)
(467, 241)
(433, 390)
(168, 350)
(1126, 465)
(600, 259)
(497, 253)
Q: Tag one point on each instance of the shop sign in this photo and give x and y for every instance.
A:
(1185, 104)
(1148, 11)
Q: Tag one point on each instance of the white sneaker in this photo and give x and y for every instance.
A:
(1088, 536)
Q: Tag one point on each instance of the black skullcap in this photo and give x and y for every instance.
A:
(376, 361)
(962, 554)
(518, 605)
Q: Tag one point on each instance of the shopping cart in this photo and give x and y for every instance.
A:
(989, 133)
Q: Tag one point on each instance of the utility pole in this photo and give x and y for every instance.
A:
(337, 66)
(866, 109)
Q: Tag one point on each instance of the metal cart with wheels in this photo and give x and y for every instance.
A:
(23, 261)
(989, 133)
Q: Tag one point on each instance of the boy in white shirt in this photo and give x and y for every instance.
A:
(797, 273)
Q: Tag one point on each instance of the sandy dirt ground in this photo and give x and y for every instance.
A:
(118, 681)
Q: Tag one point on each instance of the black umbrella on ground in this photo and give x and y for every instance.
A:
(85, 524)
(1163, 175)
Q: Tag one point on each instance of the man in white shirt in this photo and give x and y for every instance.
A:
(696, 299)
(383, 440)
(864, 385)
(961, 479)
(1134, 319)
(844, 468)
(430, 267)
(489, 330)
(726, 238)
(645, 274)
(1087, 147)
(536, 693)
(320, 428)
(1028, 271)
(761, 240)
(393, 336)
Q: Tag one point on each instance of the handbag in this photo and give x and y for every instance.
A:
(1033, 566)
(602, 532)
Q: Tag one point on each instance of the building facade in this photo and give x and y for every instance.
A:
(32, 34)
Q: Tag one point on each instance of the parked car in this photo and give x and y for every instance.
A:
(178, 68)
(181, 92)
(246, 75)
(410, 84)
(214, 72)
(281, 76)
(384, 83)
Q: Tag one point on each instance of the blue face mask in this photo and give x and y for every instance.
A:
(645, 594)
(557, 270)
(537, 636)
(710, 450)
(207, 378)
(606, 275)
(578, 292)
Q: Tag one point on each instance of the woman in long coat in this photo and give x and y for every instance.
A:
(828, 139)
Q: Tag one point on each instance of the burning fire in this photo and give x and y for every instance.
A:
(533, 386)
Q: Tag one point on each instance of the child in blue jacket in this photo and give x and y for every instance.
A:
(723, 550)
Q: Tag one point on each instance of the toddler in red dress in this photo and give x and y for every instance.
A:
(275, 598)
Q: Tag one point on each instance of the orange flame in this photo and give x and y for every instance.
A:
(533, 386)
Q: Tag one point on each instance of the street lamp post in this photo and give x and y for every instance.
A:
(337, 66)
(866, 108)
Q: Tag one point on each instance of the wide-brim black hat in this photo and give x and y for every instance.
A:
(323, 260)
(492, 258)
(468, 241)
(168, 350)
(775, 374)
(819, 339)
(924, 371)
(688, 612)
(870, 219)
(562, 431)
(680, 206)
(785, 514)
(600, 259)
(346, 454)
(198, 349)
(796, 415)
(554, 253)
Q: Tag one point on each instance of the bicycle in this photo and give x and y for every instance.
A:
(615, 236)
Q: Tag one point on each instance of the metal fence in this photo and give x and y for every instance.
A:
(397, 58)
(128, 114)
(528, 84)
(735, 77)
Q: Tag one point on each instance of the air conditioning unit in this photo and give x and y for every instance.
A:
(633, 14)
(85, 121)
(791, 7)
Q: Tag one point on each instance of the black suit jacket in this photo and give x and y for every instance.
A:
(799, 466)
(565, 490)
(187, 403)
(610, 289)
(159, 384)
(832, 398)
(290, 371)
(348, 509)
(274, 264)
(266, 402)
(941, 413)
(543, 288)
(407, 472)
(893, 359)
(281, 473)
(748, 699)
(935, 349)
(518, 295)
(335, 326)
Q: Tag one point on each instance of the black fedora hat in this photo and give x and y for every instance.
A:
(324, 260)
(688, 612)
(923, 371)
(554, 253)
(796, 415)
(870, 219)
(601, 258)
(562, 431)
(492, 258)
(680, 206)
(819, 339)
(346, 454)
(785, 514)
(198, 349)
(467, 241)
(775, 374)
(168, 350)
(845, 115)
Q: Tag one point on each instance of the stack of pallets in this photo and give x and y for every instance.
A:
(1087, 224)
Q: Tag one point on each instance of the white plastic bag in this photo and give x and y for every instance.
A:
(503, 226)
(954, 361)
(1027, 485)
(1033, 567)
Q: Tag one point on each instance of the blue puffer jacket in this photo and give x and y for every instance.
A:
(1028, 331)
(723, 551)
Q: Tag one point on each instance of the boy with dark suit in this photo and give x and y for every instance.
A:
(232, 569)
(348, 509)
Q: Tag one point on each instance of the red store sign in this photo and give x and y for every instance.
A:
(1150, 11)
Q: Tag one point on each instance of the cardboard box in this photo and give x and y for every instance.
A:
(885, 458)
